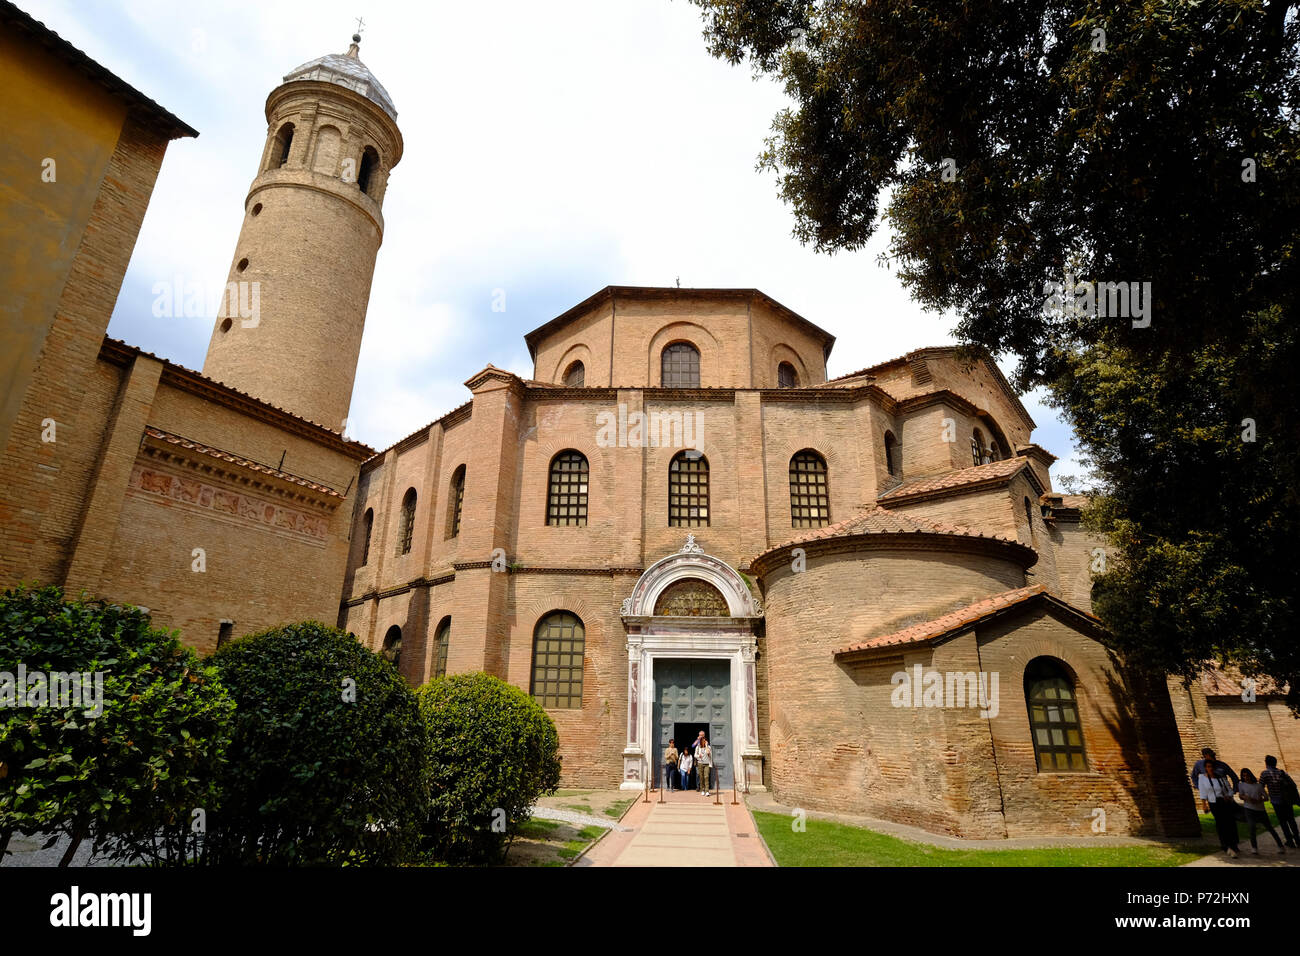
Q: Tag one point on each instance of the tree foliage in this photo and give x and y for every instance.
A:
(493, 750)
(328, 764)
(1124, 141)
(130, 776)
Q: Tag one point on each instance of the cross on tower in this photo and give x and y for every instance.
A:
(361, 24)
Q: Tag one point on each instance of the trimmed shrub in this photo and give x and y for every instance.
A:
(493, 751)
(130, 776)
(328, 765)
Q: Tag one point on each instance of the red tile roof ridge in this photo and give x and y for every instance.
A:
(945, 623)
(955, 479)
(248, 463)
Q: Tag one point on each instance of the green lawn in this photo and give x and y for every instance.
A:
(837, 844)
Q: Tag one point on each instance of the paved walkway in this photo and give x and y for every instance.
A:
(687, 829)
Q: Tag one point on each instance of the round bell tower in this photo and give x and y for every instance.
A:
(289, 327)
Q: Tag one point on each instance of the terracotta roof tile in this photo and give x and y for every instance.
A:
(203, 449)
(881, 521)
(956, 479)
(1218, 681)
(955, 620)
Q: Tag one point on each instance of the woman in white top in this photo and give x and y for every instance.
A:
(684, 764)
(1252, 795)
(1216, 796)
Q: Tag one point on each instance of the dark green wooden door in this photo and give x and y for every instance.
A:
(694, 692)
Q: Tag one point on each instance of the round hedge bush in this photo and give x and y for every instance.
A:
(129, 777)
(328, 765)
(493, 751)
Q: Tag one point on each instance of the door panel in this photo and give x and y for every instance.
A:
(694, 692)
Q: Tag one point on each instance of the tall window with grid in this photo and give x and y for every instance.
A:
(566, 497)
(576, 376)
(558, 647)
(688, 491)
(810, 500)
(1054, 717)
(457, 501)
(680, 366)
(406, 526)
(444, 644)
(786, 376)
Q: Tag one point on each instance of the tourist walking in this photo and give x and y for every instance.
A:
(670, 763)
(1221, 769)
(684, 764)
(704, 763)
(1282, 794)
(1216, 796)
(1252, 795)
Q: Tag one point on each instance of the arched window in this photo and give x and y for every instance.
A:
(406, 526)
(566, 497)
(786, 376)
(392, 651)
(810, 500)
(1054, 717)
(576, 376)
(457, 497)
(977, 447)
(369, 526)
(558, 647)
(443, 640)
(280, 151)
(680, 366)
(688, 491)
(692, 598)
(366, 173)
(893, 460)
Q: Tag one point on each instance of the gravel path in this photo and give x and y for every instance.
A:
(26, 851)
(572, 816)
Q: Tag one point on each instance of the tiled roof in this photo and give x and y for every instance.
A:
(956, 479)
(203, 449)
(958, 620)
(881, 521)
(1074, 501)
(1228, 682)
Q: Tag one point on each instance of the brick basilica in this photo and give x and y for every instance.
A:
(864, 589)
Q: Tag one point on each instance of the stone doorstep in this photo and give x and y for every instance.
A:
(766, 803)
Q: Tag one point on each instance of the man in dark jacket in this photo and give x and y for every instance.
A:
(1221, 769)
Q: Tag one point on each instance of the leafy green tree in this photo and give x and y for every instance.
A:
(493, 751)
(1011, 144)
(131, 762)
(328, 764)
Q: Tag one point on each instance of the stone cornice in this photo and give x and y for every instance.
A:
(932, 542)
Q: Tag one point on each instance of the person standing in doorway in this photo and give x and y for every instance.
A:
(684, 768)
(1282, 794)
(1216, 796)
(670, 764)
(1252, 795)
(704, 763)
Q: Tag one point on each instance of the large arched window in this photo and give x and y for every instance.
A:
(368, 526)
(688, 491)
(566, 496)
(392, 651)
(558, 647)
(280, 149)
(406, 526)
(893, 460)
(810, 500)
(576, 376)
(457, 501)
(443, 640)
(680, 366)
(786, 376)
(1054, 717)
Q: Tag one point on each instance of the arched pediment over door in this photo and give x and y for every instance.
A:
(691, 562)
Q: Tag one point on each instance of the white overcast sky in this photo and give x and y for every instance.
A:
(552, 148)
